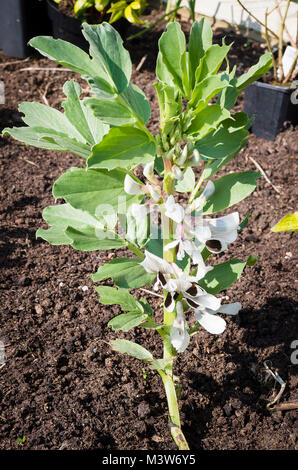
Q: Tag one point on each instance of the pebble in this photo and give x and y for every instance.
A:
(143, 409)
(227, 409)
(38, 309)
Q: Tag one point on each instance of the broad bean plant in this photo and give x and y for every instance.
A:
(155, 195)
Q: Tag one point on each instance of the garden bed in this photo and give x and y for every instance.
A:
(62, 387)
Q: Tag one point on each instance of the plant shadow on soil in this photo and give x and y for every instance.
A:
(9, 118)
(228, 396)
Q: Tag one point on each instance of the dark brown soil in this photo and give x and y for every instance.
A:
(62, 387)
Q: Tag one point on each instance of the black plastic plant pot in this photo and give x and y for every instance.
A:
(20, 21)
(68, 27)
(272, 106)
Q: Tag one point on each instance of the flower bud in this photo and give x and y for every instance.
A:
(173, 140)
(177, 173)
(190, 148)
(154, 192)
(183, 156)
(170, 154)
(148, 170)
(165, 143)
(131, 186)
(195, 159)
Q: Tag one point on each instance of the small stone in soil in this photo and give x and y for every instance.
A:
(143, 409)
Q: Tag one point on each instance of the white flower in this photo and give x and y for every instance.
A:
(200, 201)
(178, 334)
(139, 211)
(177, 173)
(189, 247)
(175, 281)
(155, 264)
(174, 210)
(185, 231)
(182, 157)
(131, 186)
(213, 323)
(182, 283)
(197, 297)
(217, 233)
(154, 192)
(195, 158)
(148, 170)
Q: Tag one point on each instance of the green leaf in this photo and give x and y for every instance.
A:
(289, 223)
(127, 273)
(255, 72)
(54, 235)
(252, 260)
(222, 276)
(231, 189)
(60, 217)
(110, 112)
(227, 97)
(123, 147)
(205, 90)
(74, 58)
(168, 104)
(151, 325)
(128, 347)
(65, 215)
(77, 228)
(244, 223)
(187, 183)
(106, 47)
(159, 165)
(209, 118)
(40, 115)
(137, 231)
(155, 244)
(200, 40)
(65, 54)
(213, 59)
(94, 190)
(212, 168)
(97, 128)
(159, 364)
(137, 101)
(92, 239)
(227, 140)
(172, 46)
(112, 296)
(127, 321)
(147, 307)
(48, 139)
(162, 72)
(89, 128)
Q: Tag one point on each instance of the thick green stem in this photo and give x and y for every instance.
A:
(168, 352)
(175, 424)
(171, 398)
